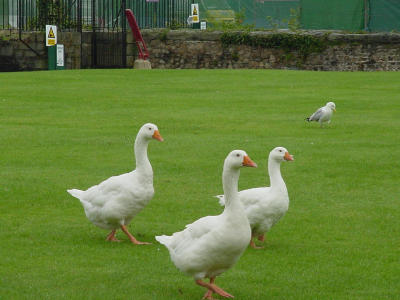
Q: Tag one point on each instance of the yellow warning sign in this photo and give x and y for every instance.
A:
(51, 33)
(195, 13)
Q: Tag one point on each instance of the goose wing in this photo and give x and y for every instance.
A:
(108, 190)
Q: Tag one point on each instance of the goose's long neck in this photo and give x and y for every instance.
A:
(230, 179)
(274, 170)
(143, 165)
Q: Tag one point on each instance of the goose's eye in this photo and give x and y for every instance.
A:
(149, 128)
(280, 150)
(238, 155)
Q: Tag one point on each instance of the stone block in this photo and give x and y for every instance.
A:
(28, 53)
(142, 64)
(40, 64)
(131, 49)
(40, 37)
(130, 60)
(129, 37)
(6, 50)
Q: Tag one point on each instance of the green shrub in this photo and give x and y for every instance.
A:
(304, 44)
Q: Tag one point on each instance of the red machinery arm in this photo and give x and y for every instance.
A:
(141, 45)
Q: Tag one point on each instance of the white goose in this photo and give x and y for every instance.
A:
(323, 114)
(264, 206)
(113, 203)
(213, 244)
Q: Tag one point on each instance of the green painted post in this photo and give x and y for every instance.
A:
(52, 57)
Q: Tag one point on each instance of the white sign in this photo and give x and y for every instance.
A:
(195, 13)
(51, 35)
(203, 25)
(60, 55)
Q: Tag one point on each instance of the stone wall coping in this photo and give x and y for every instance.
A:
(198, 35)
(206, 35)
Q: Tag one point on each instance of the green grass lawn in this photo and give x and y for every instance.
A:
(73, 129)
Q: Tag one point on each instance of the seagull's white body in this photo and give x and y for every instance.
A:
(114, 202)
(323, 114)
(265, 206)
(213, 244)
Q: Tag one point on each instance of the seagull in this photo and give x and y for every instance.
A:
(323, 114)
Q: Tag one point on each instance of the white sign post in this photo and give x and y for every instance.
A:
(60, 57)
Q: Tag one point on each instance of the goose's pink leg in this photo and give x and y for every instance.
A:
(208, 294)
(111, 237)
(131, 237)
(253, 244)
(213, 288)
(261, 238)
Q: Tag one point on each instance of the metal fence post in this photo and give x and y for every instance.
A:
(79, 15)
(79, 26)
(94, 50)
(366, 15)
(19, 14)
(124, 44)
(173, 12)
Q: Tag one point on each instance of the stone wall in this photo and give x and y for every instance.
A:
(203, 49)
(30, 52)
(16, 55)
(344, 52)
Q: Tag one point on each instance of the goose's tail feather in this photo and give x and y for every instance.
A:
(76, 193)
(164, 239)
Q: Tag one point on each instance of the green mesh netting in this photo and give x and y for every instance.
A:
(338, 14)
(262, 14)
(351, 15)
(384, 15)
(267, 14)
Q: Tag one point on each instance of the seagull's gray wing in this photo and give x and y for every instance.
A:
(317, 115)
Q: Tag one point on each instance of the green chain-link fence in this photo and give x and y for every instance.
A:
(351, 15)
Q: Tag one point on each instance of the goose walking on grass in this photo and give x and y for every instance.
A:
(113, 203)
(265, 206)
(323, 114)
(213, 244)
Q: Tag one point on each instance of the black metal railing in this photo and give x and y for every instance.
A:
(88, 15)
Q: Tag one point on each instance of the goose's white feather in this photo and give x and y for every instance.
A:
(116, 200)
(265, 206)
(211, 245)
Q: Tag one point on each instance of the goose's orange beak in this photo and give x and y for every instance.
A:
(247, 162)
(288, 157)
(157, 136)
